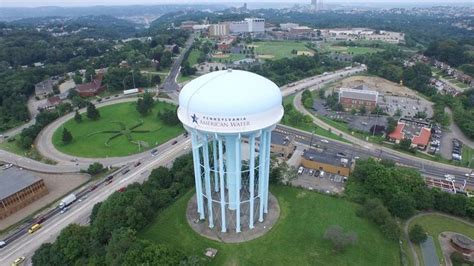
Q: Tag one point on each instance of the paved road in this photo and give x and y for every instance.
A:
(170, 83)
(80, 211)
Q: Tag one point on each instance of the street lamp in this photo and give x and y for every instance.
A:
(311, 142)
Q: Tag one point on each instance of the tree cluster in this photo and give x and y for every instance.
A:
(417, 234)
(28, 135)
(307, 99)
(145, 104)
(91, 112)
(111, 238)
(168, 117)
(95, 168)
(403, 190)
(294, 118)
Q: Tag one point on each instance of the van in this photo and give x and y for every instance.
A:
(321, 174)
(34, 228)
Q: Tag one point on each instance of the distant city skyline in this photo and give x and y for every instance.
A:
(82, 3)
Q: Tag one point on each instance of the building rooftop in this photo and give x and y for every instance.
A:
(13, 180)
(323, 157)
(92, 86)
(398, 132)
(281, 139)
(359, 94)
(423, 138)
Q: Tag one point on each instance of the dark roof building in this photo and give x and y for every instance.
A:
(18, 188)
(336, 164)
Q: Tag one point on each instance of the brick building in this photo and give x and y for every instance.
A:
(18, 188)
(358, 97)
(322, 161)
(91, 88)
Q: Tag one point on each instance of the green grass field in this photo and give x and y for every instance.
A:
(436, 224)
(296, 238)
(229, 58)
(279, 49)
(193, 57)
(354, 50)
(467, 156)
(94, 146)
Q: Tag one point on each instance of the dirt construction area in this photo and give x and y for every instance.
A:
(381, 85)
(58, 186)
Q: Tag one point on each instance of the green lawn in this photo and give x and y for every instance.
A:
(467, 156)
(94, 146)
(181, 78)
(279, 49)
(193, 57)
(296, 239)
(228, 57)
(31, 153)
(436, 224)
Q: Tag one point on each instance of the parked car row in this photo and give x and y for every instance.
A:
(435, 139)
(457, 150)
(311, 172)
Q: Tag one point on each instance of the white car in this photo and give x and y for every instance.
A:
(300, 170)
(469, 174)
(449, 177)
(324, 141)
(311, 172)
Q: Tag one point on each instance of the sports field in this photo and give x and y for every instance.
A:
(296, 238)
(279, 49)
(84, 145)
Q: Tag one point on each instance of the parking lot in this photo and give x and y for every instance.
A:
(322, 182)
(407, 106)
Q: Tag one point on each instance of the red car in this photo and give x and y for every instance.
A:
(122, 189)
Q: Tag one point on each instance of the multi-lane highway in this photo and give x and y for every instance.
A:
(428, 169)
(25, 244)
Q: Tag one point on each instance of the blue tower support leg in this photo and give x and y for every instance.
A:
(198, 176)
(261, 174)
(222, 189)
(252, 178)
(216, 174)
(237, 187)
(207, 178)
(267, 172)
(231, 171)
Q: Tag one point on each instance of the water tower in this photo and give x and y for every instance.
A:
(230, 115)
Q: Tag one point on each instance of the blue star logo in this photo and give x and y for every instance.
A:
(195, 118)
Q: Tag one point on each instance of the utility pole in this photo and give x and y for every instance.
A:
(311, 142)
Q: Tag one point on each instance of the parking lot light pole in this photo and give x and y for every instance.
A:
(311, 142)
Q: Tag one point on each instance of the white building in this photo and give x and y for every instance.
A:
(249, 25)
(221, 29)
(288, 26)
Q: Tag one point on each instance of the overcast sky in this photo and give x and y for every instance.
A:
(69, 3)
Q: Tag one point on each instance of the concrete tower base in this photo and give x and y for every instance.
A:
(260, 228)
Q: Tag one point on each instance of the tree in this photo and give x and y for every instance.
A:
(363, 110)
(166, 59)
(168, 117)
(175, 49)
(78, 117)
(95, 168)
(405, 144)
(156, 79)
(67, 136)
(141, 107)
(73, 243)
(90, 74)
(92, 112)
(338, 238)
(417, 234)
